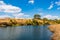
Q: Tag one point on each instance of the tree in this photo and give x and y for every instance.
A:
(57, 21)
(45, 21)
(37, 16)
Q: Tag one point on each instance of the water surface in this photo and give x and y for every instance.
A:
(25, 33)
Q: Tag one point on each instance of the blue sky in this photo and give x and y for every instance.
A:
(27, 8)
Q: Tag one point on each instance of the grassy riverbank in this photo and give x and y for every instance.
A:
(21, 22)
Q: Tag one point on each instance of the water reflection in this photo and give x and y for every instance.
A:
(25, 33)
(36, 32)
(41, 33)
(9, 33)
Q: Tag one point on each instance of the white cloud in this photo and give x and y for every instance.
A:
(13, 10)
(20, 15)
(31, 1)
(57, 3)
(8, 8)
(51, 17)
(4, 16)
(2, 3)
(51, 6)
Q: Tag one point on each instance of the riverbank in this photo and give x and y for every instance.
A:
(56, 31)
(20, 22)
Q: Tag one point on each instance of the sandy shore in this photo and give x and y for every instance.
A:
(56, 31)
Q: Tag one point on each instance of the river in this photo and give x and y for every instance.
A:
(25, 33)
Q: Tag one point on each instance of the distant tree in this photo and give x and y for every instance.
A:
(37, 16)
(57, 21)
(45, 20)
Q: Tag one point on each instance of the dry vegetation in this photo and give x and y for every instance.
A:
(19, 22)
(56, 31)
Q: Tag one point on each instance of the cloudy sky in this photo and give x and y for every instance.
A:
(27, 8)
